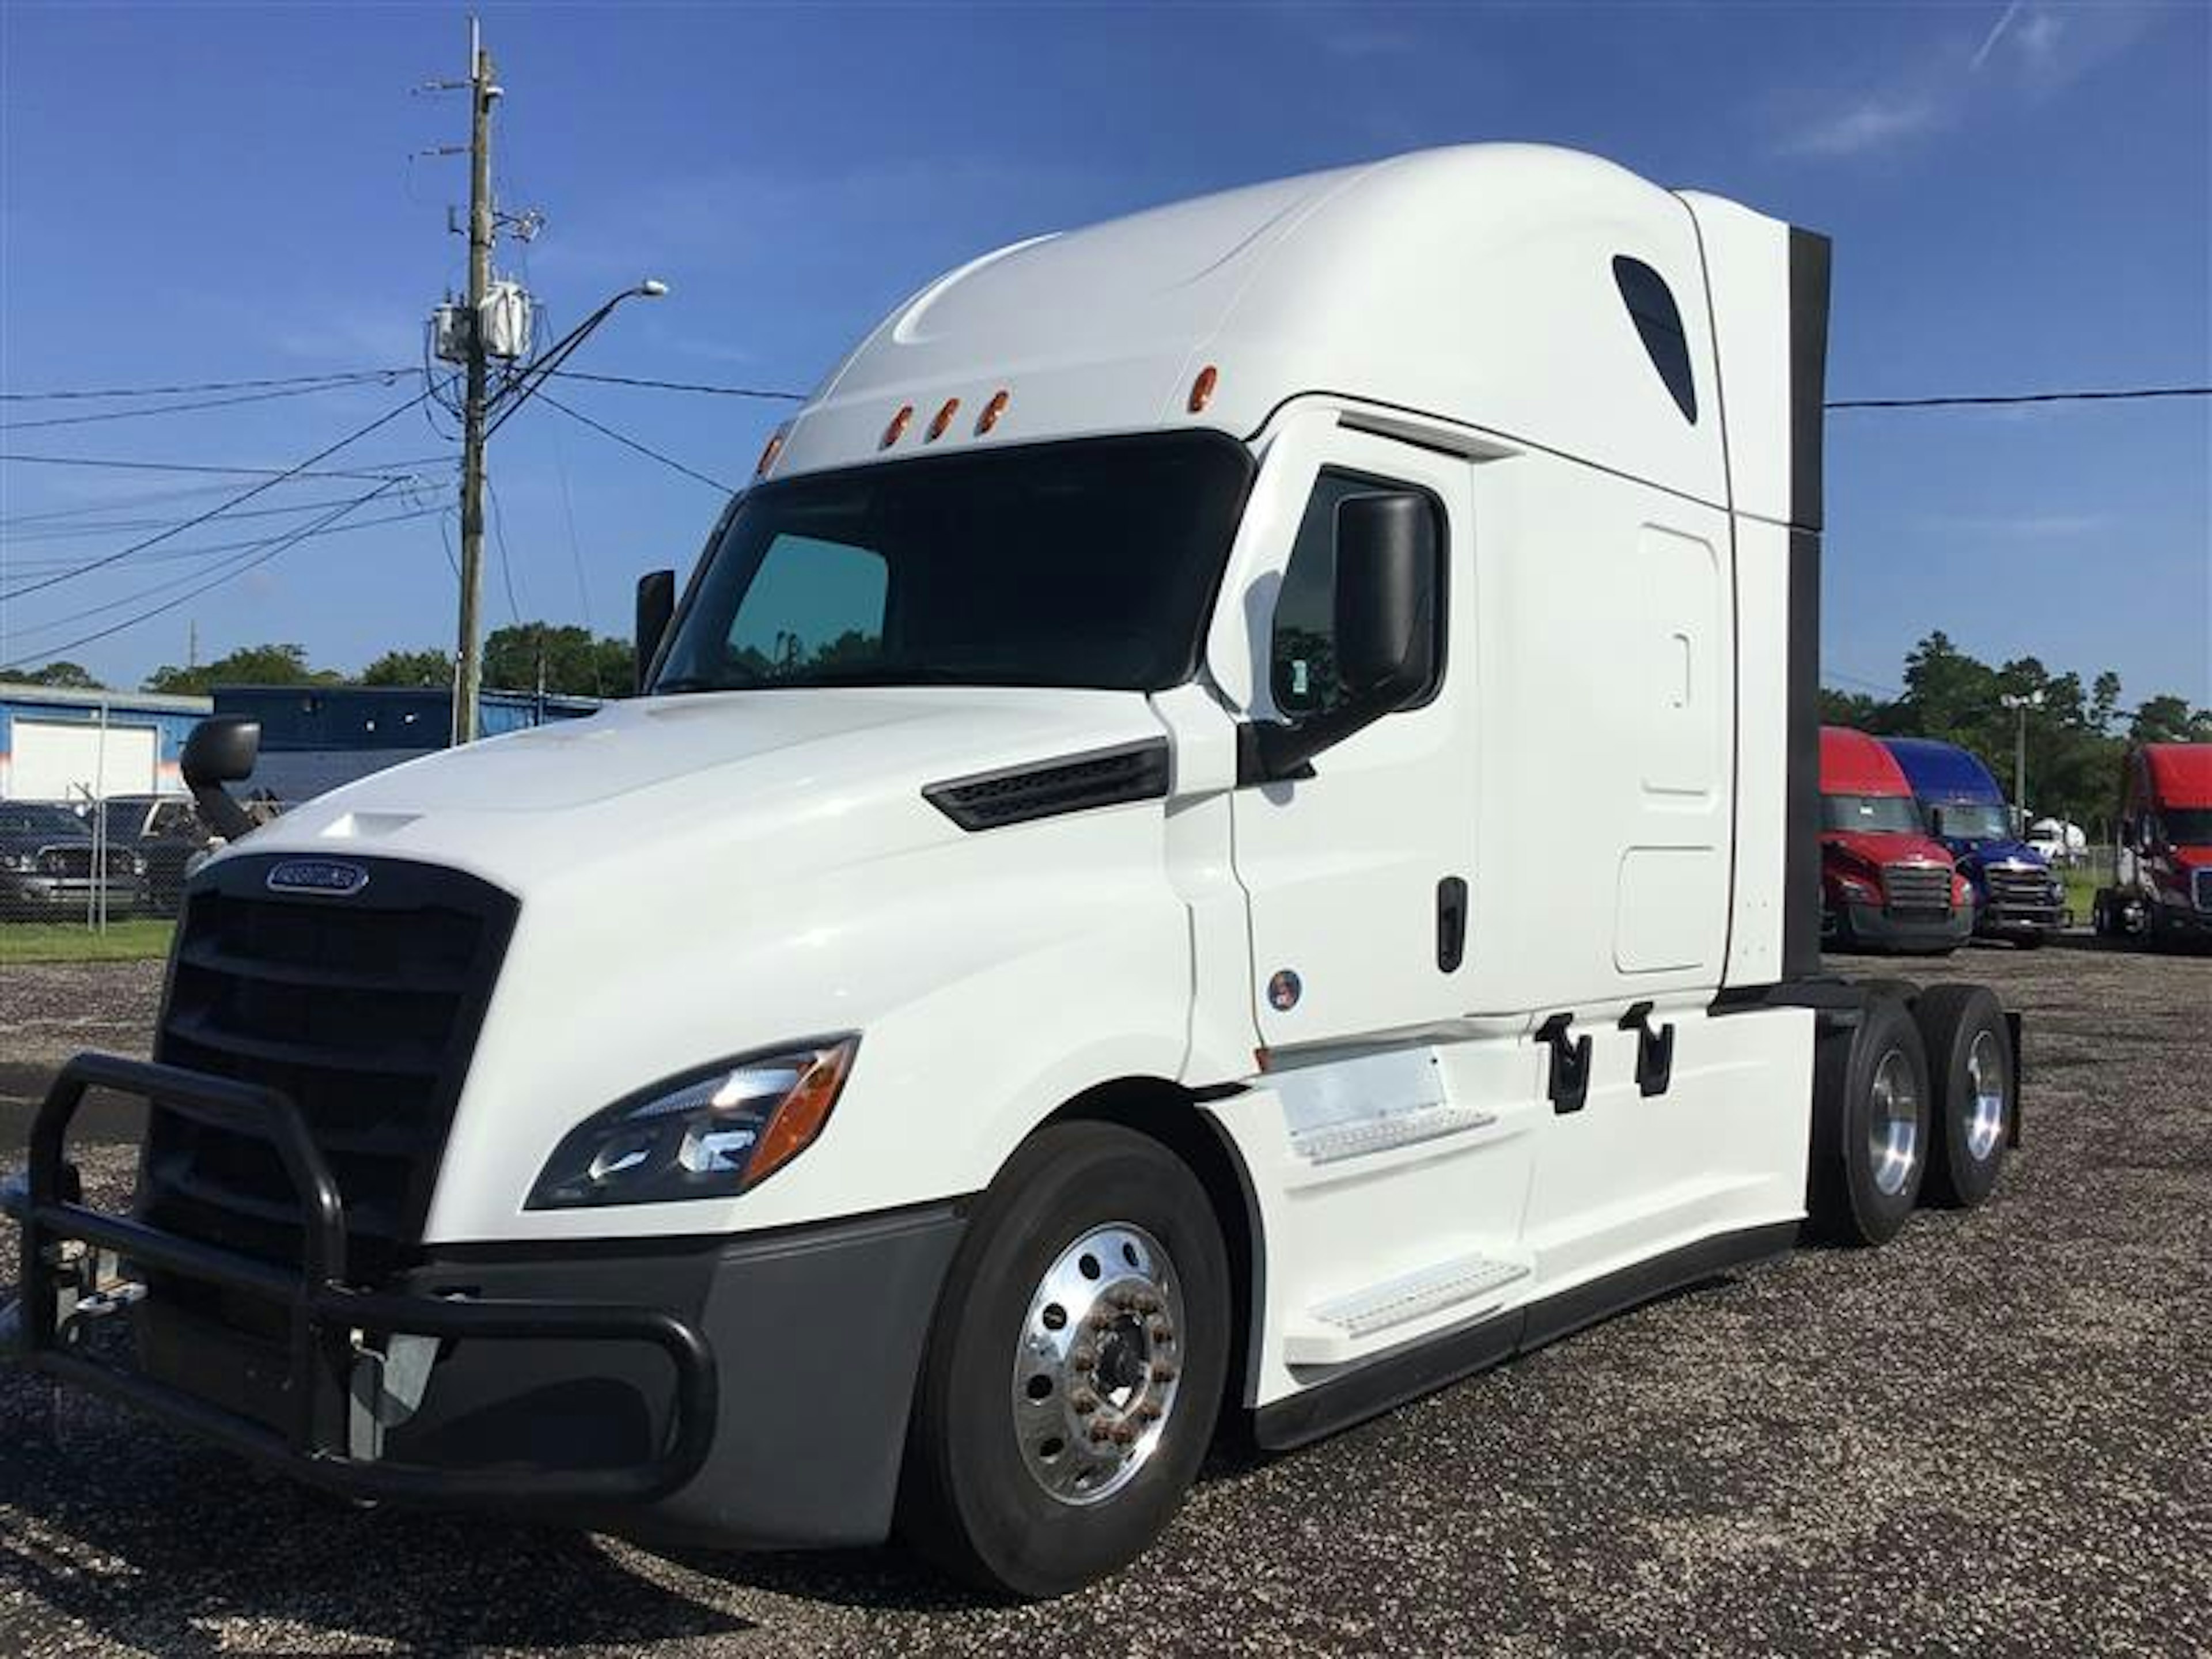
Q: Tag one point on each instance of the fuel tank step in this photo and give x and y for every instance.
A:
(1337, 1330)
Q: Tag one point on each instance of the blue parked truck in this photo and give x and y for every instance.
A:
(2016, 896)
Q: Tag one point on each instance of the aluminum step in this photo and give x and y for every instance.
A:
(1337, 1329)
(1331, 1143)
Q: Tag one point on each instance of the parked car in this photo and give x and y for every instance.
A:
(164, 830)
(2162, 876)
(47, 865)
(2015, 895)
(1885, 884)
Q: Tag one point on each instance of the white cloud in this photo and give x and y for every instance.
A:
(2033, 49)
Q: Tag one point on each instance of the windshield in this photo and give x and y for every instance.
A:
(18, 818)
(1893, 814)
(1086, 564)
(2187, 826)
(1975, 821)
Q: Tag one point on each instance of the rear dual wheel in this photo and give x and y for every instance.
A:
(1871, 1113)
(1076, 1367)
(1976, 1083)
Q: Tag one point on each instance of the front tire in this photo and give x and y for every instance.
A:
(1975, 1077)
(1870, 1124)
(1076, 1367)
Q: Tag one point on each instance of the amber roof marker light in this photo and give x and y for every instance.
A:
(770, 450)
(1201, 389)
(991, 410)
(897, 430)
(941, 421)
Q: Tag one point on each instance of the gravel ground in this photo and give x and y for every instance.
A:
(1990, 1436)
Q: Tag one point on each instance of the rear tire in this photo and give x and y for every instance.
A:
(1075, 1371)
(1974, 1073)
(1870, 1124)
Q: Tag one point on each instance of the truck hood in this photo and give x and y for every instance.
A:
(1983, 853)
(1886, 846)
(836, 773)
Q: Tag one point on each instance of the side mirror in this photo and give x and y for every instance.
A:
(1936, 821)
(656, 605)
(1389, 585)
(221, 750)
(1386, 582)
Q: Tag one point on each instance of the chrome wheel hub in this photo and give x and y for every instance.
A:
(1985, 1076)
(1096, 1364)
(1893, 1125)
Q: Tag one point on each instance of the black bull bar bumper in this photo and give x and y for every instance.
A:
(331, 1326)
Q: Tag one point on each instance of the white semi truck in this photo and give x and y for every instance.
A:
(1228, 833)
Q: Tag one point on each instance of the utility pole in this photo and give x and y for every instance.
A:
(2020, 704)
(468, 658)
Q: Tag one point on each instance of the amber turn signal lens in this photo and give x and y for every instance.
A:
(802, 1112)
(944, 419)
(769, 451)
(991, 410)
(1201, 389)
(897, 430)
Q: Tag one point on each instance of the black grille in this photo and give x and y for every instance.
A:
(1108, 777)
(363, 1008)
(2027, 889)
(2204, 889)
(75, 863)
(1917, 888)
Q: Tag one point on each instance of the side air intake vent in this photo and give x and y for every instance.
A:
(1105, 777)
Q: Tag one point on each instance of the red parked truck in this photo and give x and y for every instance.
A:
(1885, 883)
(2161, 886)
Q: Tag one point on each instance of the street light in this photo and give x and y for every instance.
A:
(519, 391)
(2020, 702)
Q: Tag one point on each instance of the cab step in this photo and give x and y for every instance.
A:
(1331, 1143)
(1339, 1330)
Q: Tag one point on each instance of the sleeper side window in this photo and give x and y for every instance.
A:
(1301, 657)
(1659, 325)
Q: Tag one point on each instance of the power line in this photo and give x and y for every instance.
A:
(240, 556)
(52, 652)
(224, 506)
(213, 548)
(506, 563)
(10, 538)
(199, 403)
(227, 471)
(2095, 396)
(682, 385)
(632, 443)
(335, 376)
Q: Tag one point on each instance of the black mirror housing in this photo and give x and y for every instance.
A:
(1390, 584)
(221, 748)
(1386, 584)
(656, 606)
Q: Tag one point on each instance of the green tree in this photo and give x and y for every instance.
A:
(2169, 718)
(250, 664)
(418, 668)
(575, 663)
(68, 676)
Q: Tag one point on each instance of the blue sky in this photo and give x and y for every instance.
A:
(2020, 196)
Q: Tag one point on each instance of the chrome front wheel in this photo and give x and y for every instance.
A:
(1095, 1367)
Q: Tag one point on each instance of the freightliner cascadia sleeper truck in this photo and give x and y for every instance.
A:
(1066, 954)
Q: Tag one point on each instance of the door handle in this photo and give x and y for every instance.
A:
(1451, 923)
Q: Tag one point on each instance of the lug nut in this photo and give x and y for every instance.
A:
(1102, 1432)
(1161, 1330)
(1163, 1373)
(1125, 1434)
(1099, 1321)
(1084, 1401)
(1082, 1360)
(1149, 1411)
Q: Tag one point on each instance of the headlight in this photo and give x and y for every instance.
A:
(713, 1134)
(137, 864)
(24, 862)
